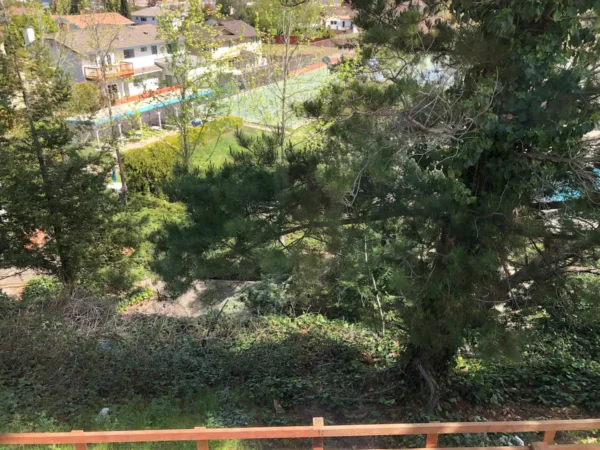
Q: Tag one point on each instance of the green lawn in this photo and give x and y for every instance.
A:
(217, 151)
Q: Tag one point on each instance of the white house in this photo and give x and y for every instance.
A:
(150, 15)
(340, 18)
(132, 54)
(233, 36)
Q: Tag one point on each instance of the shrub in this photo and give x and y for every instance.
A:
(136, 296)
(148, 168)
(40, 289)
(267, 297)
(85, 98)
(6, 301)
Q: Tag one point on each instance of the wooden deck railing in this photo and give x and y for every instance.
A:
(318, 431)
(118, 70)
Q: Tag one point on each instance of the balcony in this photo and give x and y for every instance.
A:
(119, 70)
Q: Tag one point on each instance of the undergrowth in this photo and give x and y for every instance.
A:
(59, 367)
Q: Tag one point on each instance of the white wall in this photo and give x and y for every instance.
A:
(341, 24)
(146, 58)
(226, 52)
(148, 84)
(138, 19)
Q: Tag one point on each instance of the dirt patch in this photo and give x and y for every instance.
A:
(12, 281)
(203, 297)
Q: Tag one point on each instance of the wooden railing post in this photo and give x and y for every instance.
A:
(432, 438)
(79, 446)
(317, 442)
(201, 445)
(549, 437)
(539, 446)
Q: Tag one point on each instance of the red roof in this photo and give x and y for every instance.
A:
(87, 20)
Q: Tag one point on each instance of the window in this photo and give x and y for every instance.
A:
(154, 19)
(144, 19)
(230, 44)
(129, 53)
(108, 59)
(144, 49)
(154, 49)
(333, 22)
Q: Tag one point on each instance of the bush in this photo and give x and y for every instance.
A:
(6, 301)
(148, 168)
(40, 289)
(267, 297)
(85, 98)
(136, 296)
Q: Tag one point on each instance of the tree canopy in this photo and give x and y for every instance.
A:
(456, 181)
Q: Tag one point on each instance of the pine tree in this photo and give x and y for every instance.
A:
(57, 216)
(457, 179)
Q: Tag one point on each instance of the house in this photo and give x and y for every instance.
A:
(81, 21)
(340, 19)
(148, 15)
(233, 36)
(134, 57)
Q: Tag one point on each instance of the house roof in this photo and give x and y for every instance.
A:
(228, 30)
(341, 12)
(153, 11)
(238, 28)
(89, 40)
(88, 20)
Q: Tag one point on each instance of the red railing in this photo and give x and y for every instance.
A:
(118, 70)
(318, 431)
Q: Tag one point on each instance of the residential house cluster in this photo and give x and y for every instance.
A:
(340, 18)
(136, 61)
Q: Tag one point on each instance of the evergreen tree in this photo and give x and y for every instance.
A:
(457, 179)
(125, 9)
(57, 215)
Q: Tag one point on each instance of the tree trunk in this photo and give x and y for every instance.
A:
(422, 363)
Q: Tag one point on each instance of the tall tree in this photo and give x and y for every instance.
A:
(192, 32)
(459, 169)
(57, 215)
(287, 27)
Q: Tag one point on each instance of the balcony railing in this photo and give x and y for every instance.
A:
(119, 70)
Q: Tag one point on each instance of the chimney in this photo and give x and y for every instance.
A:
(29, 36)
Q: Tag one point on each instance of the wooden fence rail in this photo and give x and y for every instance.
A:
(318, 431)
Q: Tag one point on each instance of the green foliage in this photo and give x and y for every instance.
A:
(58, 217)
(85, 98)
(558, 367)
(149, 168)
(267, 297)
(36, 17)
(244, 363)
(421, 208)
(138, 295)
(40, 289)
(232, 8)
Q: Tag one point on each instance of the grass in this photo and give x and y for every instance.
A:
(262, 105)
(217, 150)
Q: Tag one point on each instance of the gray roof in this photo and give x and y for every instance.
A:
(238, 28)
(153, 11)
(92, 39)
